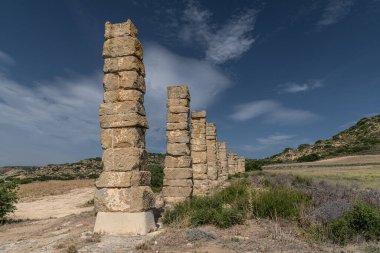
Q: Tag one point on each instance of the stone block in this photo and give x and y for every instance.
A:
(123, 120)
(197, 115)
(174, 200)
(176, 191)
(181, 92)
(125, 224)
(142, 198)
(179, 109)
(199, 176)
(114, 179)
(178, 182)
(200, 168)
(177, 126)
(121, 108)
(196, 141)
(178, 173)
(126, 63)
(120, 29)
(177, 117)
(177, 149)
(122, 46)
(123, 95)
(124, 159)
(177, 102)
(178, 161)
(178, 136)
(199, 157)
(202, 148)
(124, 80)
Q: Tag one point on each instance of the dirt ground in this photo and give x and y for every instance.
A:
(71, 231)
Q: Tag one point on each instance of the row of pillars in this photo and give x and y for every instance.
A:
(196, 161)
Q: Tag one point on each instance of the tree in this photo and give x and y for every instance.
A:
(8, 197)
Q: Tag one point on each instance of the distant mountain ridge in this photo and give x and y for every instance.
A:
(362, 138)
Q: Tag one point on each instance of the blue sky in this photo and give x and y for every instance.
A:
(271, 74)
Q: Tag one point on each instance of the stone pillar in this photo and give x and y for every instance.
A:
(123, 198)
(232, 164)
(199, 153)
(223, 160)
(241, 164)
(178, 182)
(212, 163)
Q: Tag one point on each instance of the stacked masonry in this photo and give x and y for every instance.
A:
(232, 164)
(178, 182)
(212, 159)
(241, 164)
(199, 153)
(123, 199)
(222, 157)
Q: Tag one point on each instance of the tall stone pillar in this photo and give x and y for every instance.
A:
(232, 163)
(178, 182)
(223, 160)
(212, 160)
(199, 153)
(241, 164)
(123, 198)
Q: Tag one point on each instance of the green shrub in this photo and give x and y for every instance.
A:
(302, 180)
(308, 158)
(8, 197)
(362, 220)
(279, 202)
(157, 176)
(222, 209)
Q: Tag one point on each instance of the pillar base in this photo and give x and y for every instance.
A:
(120, 223)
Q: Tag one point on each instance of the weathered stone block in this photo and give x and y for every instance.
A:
(123, 95)
(124, 80)
(177, 126)
(178, 173)
(178, 102)
(199, 148)
(179, 109)
(178, 149)
(124, 159)
(177, 191)
(106, 138)
(123, 120)
(199, 176)
(197, 115)
(122, 46)
(133, 199)
(178, 136)
(174, 200)
(212, 172)
(198, 131)
(114, 179)
(200, 168)
(120, 29)
(125, 63)
(181, 91)
(177, 117)
(178, 182)
(121, 108)
(199, 157)
(177, 162)
(129, 137)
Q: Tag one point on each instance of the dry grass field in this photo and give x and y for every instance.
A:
(352, 171)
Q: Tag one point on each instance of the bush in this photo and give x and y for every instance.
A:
(279, 202)
(362, 220)
(308, 158)
(8, 198)
(222, 209)
(157, 176)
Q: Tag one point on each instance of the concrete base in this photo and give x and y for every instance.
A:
(120, 223)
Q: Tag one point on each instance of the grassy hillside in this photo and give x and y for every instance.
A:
(362, 138)
(84, 169)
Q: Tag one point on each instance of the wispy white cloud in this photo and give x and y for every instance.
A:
(275, 139)
(272, 112)
(166, 68)
(221, 43)
(292, 87)
(335, 11)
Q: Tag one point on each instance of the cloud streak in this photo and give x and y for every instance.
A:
(335, 11)
(272, 112)
(222, 43)
(299, 87)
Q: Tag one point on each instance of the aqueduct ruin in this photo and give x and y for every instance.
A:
(196, 162)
